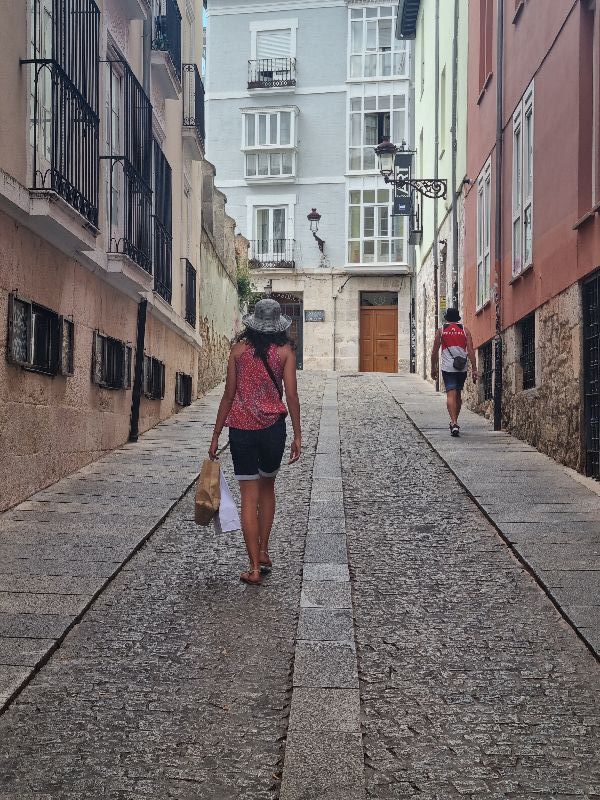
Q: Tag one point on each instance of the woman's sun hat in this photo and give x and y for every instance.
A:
(267, 317)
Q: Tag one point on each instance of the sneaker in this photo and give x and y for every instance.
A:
(454, 429)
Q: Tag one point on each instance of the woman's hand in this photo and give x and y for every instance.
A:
(214, 446)
(295, 450)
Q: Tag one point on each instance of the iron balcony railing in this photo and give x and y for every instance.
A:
(190, 293)
(270, 73)
(163, 225)
(272, 254)
(130, 173)
(167, 31)
(64, 112)
(193, 99)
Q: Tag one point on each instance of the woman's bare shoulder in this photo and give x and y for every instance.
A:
(285, 351)
(237, 348)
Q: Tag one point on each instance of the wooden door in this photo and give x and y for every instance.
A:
(378, 339)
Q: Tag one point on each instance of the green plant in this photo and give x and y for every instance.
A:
(244, 288)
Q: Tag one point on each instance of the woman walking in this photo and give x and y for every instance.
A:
(261, 363)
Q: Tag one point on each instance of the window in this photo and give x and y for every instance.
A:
(38, 338)
(273, 54)
(422, 50)
(111, 362)
(183, 389)
(113, 121)
(527, 331)
(374, 236)
(274, 44)
(41, 105)
(162, 224)
(154, 378)
(442, 114)
(374, 50)
(486, 369)
(522, 185)
(270, 228)
(372, 118)
(273, 136)
(484, 186)
(486, 32)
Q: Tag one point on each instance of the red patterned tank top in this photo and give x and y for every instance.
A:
(257, 403)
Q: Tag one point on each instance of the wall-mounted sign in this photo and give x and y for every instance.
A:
(314, 316)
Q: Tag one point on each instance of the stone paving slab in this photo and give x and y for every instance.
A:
(550, 519)
(61, 547)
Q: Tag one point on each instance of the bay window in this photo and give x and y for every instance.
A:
(372, 118)
(374, 50)
(374, 236)
(269, 143)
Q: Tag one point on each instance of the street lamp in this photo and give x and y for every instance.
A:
(314, 218)
(391, 161)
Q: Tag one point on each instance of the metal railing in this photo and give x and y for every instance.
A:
(190, 293)
(167, 31)
(65, 121)
(193, 99)
(163, 225)
(272, 254)
(269, 73)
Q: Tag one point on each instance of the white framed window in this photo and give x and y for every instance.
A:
(372, 118)
(484, 196)
(41, 47)
(113, 116)
(374, 50)
(374, 235)
(273, 39)
(269, 143)
(522, 185)
(270, 227)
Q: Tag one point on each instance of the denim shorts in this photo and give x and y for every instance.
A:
(257, 453)
(454, 380)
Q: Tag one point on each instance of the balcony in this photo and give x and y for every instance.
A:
(64, 108)
(272, 254)
(190, 293)
(166, 48)
(193, 112)
(272, 73)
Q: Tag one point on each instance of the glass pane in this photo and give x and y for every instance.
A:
(400, 63)
(356, 13)
(398, 226)
(369, 196)
(385, 34)
(272, 128)
(354, 252)
(279, 223)
(383, 250)
(368, 158)
(354, 222)
(369, 221)
(385, 123)
(516, 246)
(528, 154)
(383, 195)
(262, 224)
(276, 164)
(263, 164)
(371, 43)
(355, 129)
(354, 197)
(397, 254)
(251, 165)
(357, 37)
(355, 162)
(262, 128)
(385, 11)
(356, 104)
(371, 127)
(385, 67)
(371, 12)
(371, 66)
(288, 164)
(370, 103)
(369, 252)
(384, 102)
(527, 235)
(250, 133)
(285, 123)
(356, 67)
(382, 221)
(399, 101)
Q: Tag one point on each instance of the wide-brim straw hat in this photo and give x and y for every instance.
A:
(267, 317)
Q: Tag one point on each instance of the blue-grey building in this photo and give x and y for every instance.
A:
(299, 94)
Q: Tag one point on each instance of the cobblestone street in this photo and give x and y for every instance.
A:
(178, 681)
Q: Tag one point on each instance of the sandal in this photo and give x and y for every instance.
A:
(266, 565)
(246, 577)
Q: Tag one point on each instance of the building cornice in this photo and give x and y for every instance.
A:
(268, 8)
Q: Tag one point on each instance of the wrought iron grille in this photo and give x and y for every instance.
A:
(167, 31)
(193, 99)
(269, 73)
(130, 172)
(154, 378)
(163, 238)
(591, 372)
(190, 293)
(273, 254)
(487, 370)
(527, 328)
(64, 103)
(183, 389)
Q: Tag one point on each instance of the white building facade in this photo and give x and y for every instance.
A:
(299, 94)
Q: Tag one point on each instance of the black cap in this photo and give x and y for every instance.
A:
(452, 315)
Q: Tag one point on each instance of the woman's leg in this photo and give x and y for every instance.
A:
(249, 491)
(266, 511)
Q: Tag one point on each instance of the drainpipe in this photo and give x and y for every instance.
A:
(498, 219)
(436, 157)
(455, 194)
(138, 371)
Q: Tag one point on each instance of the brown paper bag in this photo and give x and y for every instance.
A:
(208, 492)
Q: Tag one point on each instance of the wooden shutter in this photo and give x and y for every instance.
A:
(98, 358)
(19, 331)
(66, 340)
(273, 44)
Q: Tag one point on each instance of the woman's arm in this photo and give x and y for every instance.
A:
(225, 405)
(435, 354)
(293, 402)
(471, 355)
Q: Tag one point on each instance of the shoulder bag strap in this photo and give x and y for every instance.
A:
(272, 376)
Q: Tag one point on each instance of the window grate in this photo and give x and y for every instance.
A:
(527, 329)
(154, 378)
(193, 100)
(111, 362)
(487, 370)
(190, 293)
(163, 238)
(167, 31)
(183, 389)
(39, 339)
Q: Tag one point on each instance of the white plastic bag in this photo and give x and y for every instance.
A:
(227, 518)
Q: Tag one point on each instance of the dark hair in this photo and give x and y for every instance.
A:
(262, 341)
